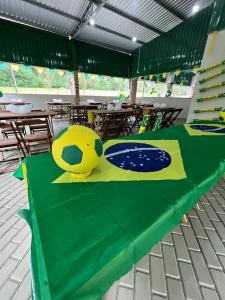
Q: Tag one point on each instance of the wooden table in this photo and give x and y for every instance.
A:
(8, 115)
(106, 111)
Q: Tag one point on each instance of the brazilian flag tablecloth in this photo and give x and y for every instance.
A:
(87, 234)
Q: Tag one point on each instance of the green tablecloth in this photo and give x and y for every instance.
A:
(87, 235)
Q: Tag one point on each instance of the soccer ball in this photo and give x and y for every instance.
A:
(77, 149)
(222, 116)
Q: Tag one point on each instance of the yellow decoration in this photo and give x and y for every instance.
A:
(196, 69)
(40, 70)
(79, 75)
(164, 75)
(107, 172)
(90, 117)
(212, 42)
(93, 76)
(77, 149)
(61, 72)
(15, 67)
(150, 77)
(177, 72)
(106, 78)
(222, 116)
(117, 79)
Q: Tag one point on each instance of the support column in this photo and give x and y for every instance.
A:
(77, 87)
(133, 90)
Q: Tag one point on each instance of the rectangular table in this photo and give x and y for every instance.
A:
(86, 235)
(8, 115)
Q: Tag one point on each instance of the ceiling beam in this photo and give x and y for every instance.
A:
(129, 17)
(82, 20)
(169, 8)
(117, 34)
(52, 9)
(89, 15)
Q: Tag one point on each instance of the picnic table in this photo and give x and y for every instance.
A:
(86, 234)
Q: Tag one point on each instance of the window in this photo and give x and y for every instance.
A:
(147, 88)
(99, 85)
(182, 91)
(18, 78)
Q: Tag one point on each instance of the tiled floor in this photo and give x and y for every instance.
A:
(188, 263)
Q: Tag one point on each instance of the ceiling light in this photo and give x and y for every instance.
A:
(195, 8)
(92, 22)
(134, 39)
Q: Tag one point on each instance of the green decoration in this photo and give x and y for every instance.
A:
(157, 124)
(212, 76)
(51, 71)
(221, 63)
(122, 96)
(1, 94)
(197, 111)
(28, 68)
(3, 66)
(212, 87)
(216, 96)
(69, 73)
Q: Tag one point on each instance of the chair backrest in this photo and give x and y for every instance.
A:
(19, 133)
(114, 124)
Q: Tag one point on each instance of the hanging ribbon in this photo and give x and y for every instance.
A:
(15, 67)
(196, 69)
(2, 66)
(177, 72)
(40, 70)
(212, 42)
(61, 72)
(28, 68)
(164, 75)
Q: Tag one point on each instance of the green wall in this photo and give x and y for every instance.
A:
(180, 48)
(98, 60)
(218, 16)
(26, 45)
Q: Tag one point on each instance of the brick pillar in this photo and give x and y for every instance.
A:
(77, 87)
(133, 90)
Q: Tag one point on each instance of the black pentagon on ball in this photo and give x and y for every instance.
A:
(72, 155)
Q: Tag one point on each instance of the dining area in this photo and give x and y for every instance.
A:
(25, 132)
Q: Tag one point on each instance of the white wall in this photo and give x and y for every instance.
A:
(39, 100)
(217, 55)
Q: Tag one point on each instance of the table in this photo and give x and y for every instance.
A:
(60, 108)
(87, 235)
(7, 115)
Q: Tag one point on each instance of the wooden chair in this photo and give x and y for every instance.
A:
(10, 144)
(78, 115)
(135, 120)
(7, 131)
(113, 125)
(30, 141)
(36, 128)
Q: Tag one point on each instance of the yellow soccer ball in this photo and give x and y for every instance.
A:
(77, 149)
(222, 116)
